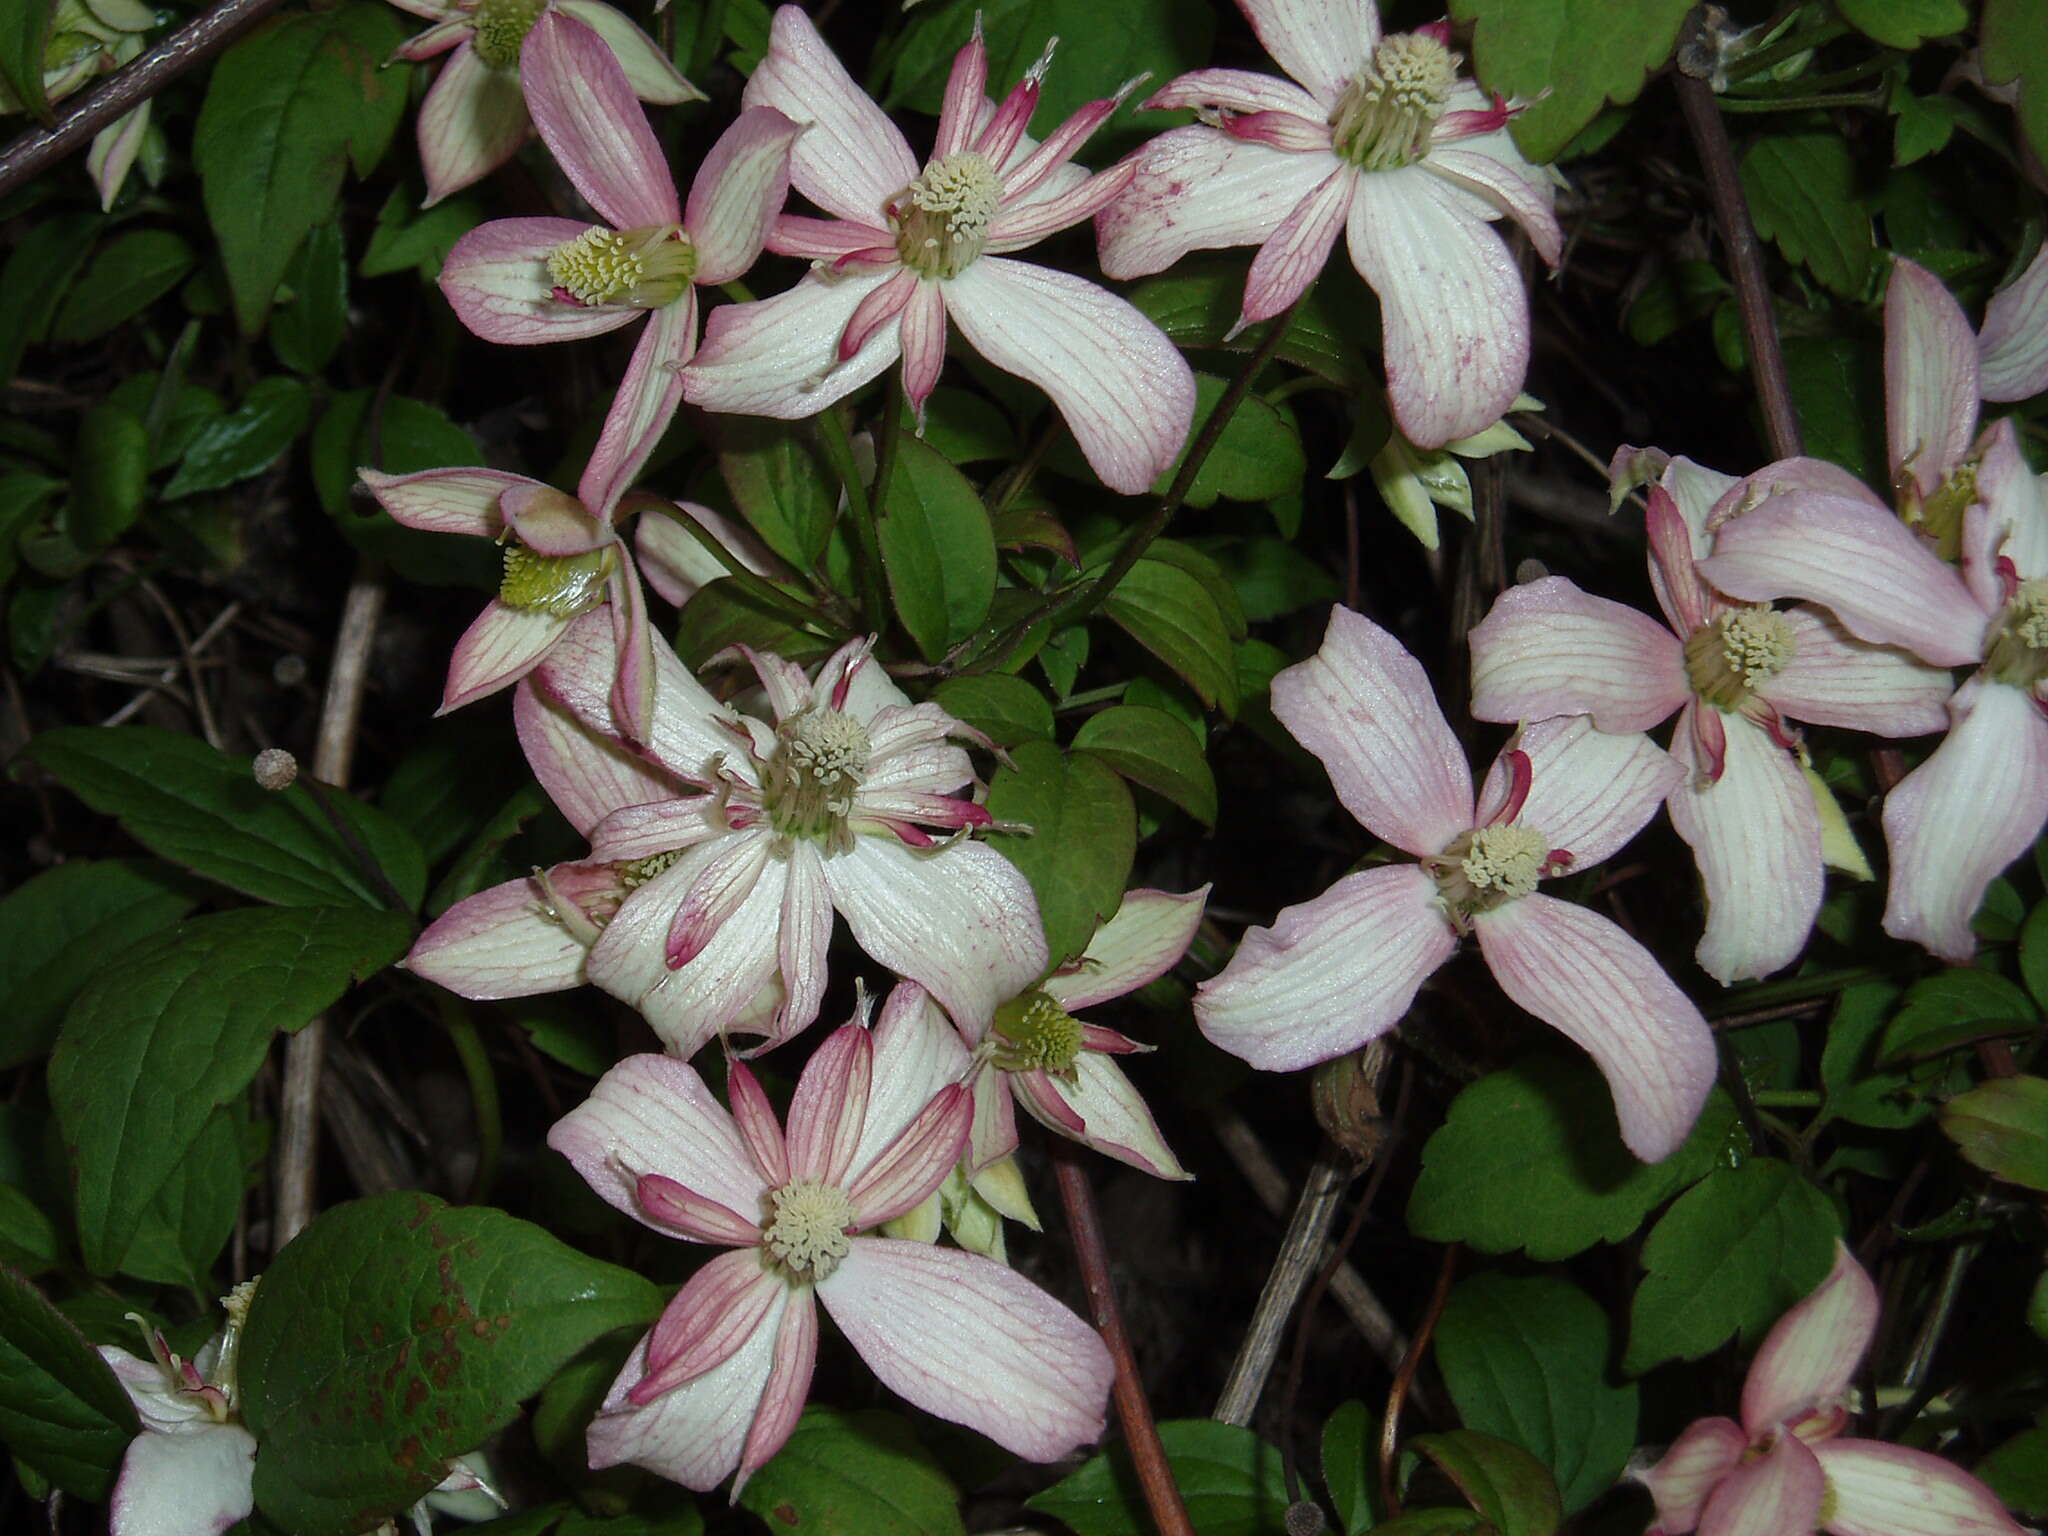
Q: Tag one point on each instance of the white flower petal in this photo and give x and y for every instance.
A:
(1890, 1490)
(1547, 649)
(194, 1483)
(1321, 43)
(1835, 679)
(851, 160)
(1145, 939)
(1930, 376)
(1811, 1353)
(2012, 349)
(1198, 189)
(780, 356)
(1590, 791)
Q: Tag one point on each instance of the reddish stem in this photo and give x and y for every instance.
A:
(1390, 1427)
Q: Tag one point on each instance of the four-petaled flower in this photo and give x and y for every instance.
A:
(910, 249)
(1376, 137)
(1343, 968)
(716, 1387)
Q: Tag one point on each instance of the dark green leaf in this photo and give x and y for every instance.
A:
(185, 1227)
(1078, 856)
(36, 276)
(203, 809)
(780, 485)
(67, 925)
(1856, 1090)
(966, 428)
(152, 1047)
(110, 475)
(1921, 125)
(937, 548)
(1198, 303)
(1230, 1479)
(1504, 1483)
(444, 791)
(1952, 1009)
(24, 45)
(61, 1409)
(246, 441)
(2017, 1472)
(399, 436)
(851, 1474)
(1033, 528)
(721, 614)
(23, 496)
(129, 273)
(479, 864)
(1271, 576)
(1350, 1462)
(395, 1333)
(1802, 194)
(2002, 1127)
(1150, 747)
(306, 331)
(1904, 23)
(1063, 656)
(405, 237)
(1530, 1158)
(2034, 953)
(2015, 51)
(1257, 457)
(28, 1238)
(1006, 709)
(1175, 617)
(1731, 1255)
(1839, 389)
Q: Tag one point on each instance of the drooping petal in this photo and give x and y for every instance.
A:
(1144, 940)
(505, 942)
(1454, 316)
(1755, 834)
(1580, 974)
(689, 734)
(1930, 377)
(496, 278)
(1834, 679)
(709, 1320)
(647, 69)
(2012, 349)
(960, 921)
(1197, 189)
(1959, 818)
(644, 405)
(1329, 974)
(802, 946)
(1321, 43)
(1811, 1353)
(200, 1480)
(838, 242)
(437, 39)
(677, 566)
(1590, 791)
(445, 500)
(1686, 1473)
(1696, 490)
(738, 191)
(1114, 1118)
(653, 1114)
(974, 1342)
(1674, 574)
(1512, 186)
(1856, 560)
(1547, 649)
(851, 160)
(916, 1163)
(780, 356)
(499, 648)
(1890, 1490)
(1237, 91)
(1775, 1496)
(473, 120)
(2015, 505)
(923, 338)
(1365, 707)
(789, 1383)
(551, 522)
(1123, 389)
(586, 112)
(1293, 255)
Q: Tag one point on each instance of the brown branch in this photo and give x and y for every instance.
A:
(1390, 1427)
(1148, 1456)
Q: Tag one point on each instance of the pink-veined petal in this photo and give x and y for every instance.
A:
(504, 942)
(719, 886)
(1695, 491)
(473, 120)
(1930, 377)
(917, 1052)
(1114, 1118)
(966, 97)
(113, 153)
(644, 405)
(1029, 221)
(1123, 389)
(1835, 679)
(687, 736)
(681, 1211)
(1590, 791)
(1237, 90)
(851, 160)
(1755, 835)
(646, 68)
(974, 1342)
(1856, 560)
(1144, 940)
(586, 112)
(1775, 1496)
(1453, 313)
(633, 687)
(1329, 974)
(780, 356)
(1674, 576)
(1876, 1489)
(1321, 43)
(660, 826)
(2012, 349)
(653, 1114)
(916, 1163)
(923, 339)
(1687, 1472)
(1293, 255)
(828, 240)
(1580, 974)
(551, 522)
(1365, 707)
(738, 191)
(994, 1134)
(499, 648)
(449, 28)
(1810, 1355)
(200, 1480)
(830, 1104)
(801, 948)
(677, 566)
(2015, 505)
(1517, 190)
(709, 1320)
(445, 500)
(1959, 818)
(755, 1119)
(1548, 649)
(789, 1383)
(960, 921)
(496, 278)
(1198, 189)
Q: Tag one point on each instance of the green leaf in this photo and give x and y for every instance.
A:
(128, 274)
(1731, 1255)
(2014, 49)
(1921, 126)
(1531, 1158)
(1084, 833)
(937, 549)
(1904, 23)
(460, 769)
(1272, 577)
(67, 925)
(151, 1047)
(1856, 1090)
(1839, 389)
(1504, 1483)
(287, 107)
(110, 475)
(966, 428)
(28, 1238)
(203, 809)
(722, 614)
(399, 436)
(1525, 1360)
(1350, 1456)
(2017, 1472)
(306, 331)
(779, 484)
(851, 1474)
(2002, 1127)
(1954, 1008)
(62, 1411)
(479, 864)
(185, 1227)
(1802, 194)
(24, 44)
(2034, 953)
(397, 1332)
(1257, 457)
(2037, 1308)
(23, 496)
(1198, 303)
(1150, 747)
(1577, 55)
(405, 237)
(1230, 1479)
(246, 441)
(1008, 710)
(35, 278)
(1174, 616)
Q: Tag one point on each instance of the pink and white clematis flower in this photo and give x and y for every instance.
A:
(1782, 1471)
(908, 250)
(720, 852)
(1375, 137)
(1816, 534)
(1737, 677)
(475, 117)
(563, 559)
(531, 280)
(718, 1384)
(1342, 969)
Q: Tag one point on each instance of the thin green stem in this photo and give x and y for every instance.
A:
(758, 588)
(838, 445)
(885, 446)
(1020, 473)
(1751, 105)
(1797, 989)
(483, 1095)
(1784, 48)
(1788, 1098)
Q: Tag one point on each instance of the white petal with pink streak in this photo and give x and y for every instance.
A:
(1321, 43)
(1590, 791)
(851, 160)
(1930, 376)
(1687, 1472)
(654, 1114)
(1835, 679)
(496, 278)
(1778, 1495)
(1198, 189)
(1889, 1490)
(1142, 942)
(779, 356)
(1546, 648)
(1811, 1353)
(2012, 349)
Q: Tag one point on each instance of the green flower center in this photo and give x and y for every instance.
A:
(641, 268)
(634, 873)
(1385, 117)
(1940, 516)
(1726, 659)
(501, 28)
(563, 585)
(806, 1235)
(2018, 652)
(1035, 1034)
(1489, 867)
(808, 785)
(942, 218)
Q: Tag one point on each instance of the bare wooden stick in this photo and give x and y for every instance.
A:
(1301, 1254)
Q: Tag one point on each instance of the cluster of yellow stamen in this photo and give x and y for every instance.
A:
(805, 1236)
(2018, 652)
(641, 268)
(808, 786)
(1033, 1033)
(1726, 659)
(634, 873)
(501, 28)
(1489, 867)
(1385, 117)
(942, 219)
